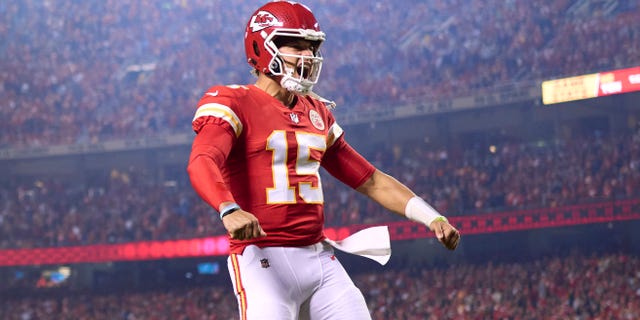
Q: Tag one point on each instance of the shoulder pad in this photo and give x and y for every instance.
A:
(232, 90)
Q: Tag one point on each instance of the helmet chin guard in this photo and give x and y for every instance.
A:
(300, 79)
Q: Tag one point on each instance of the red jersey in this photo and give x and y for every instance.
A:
(272, 169)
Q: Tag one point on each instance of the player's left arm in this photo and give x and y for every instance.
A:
(347, 165)
(396, 197)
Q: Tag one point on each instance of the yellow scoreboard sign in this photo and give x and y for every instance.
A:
(591, 85)
(569, 89)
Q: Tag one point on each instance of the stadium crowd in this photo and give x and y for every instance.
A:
(134, 205)
(576, 286)
(84, 72)
(80, 72)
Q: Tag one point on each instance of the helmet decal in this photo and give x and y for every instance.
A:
(263, 20)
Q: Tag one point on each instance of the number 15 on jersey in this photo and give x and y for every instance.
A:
(301, 176)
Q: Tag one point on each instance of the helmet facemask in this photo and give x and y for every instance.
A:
(302, 77)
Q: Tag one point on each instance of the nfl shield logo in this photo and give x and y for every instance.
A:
(294, 117)
(264, 263)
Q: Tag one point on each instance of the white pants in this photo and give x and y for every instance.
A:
(288, 283)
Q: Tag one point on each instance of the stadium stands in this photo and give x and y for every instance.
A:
(92, 71)
(130, 206)
(568, 287)
(84, 72)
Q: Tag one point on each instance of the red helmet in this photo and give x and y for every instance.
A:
(283, 19)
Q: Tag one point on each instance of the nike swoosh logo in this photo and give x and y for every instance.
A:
(213, 94)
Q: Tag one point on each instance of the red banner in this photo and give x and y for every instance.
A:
(619, 81)
(403, 230)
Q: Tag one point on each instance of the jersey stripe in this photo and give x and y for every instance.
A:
(242, 295)
(220, 111)
(333, 134)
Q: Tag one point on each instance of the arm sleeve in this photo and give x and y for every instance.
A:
(346, 164)
(210, 149)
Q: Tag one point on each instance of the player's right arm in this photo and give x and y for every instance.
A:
(344, 163)
(217, 128)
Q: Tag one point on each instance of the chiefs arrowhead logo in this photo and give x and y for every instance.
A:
(316, 120)
(263, 20)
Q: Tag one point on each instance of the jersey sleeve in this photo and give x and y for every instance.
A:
(217, 125)
(217, 106)
(341, 160)
(211, 147)
(346, 164)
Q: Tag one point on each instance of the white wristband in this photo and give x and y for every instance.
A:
(420, 211)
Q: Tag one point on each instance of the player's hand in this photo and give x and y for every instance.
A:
(242, 225)
(446, 234)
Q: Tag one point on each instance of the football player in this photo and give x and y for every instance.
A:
(256, 159)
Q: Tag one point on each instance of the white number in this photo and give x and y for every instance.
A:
(282, 191)
(305, 165)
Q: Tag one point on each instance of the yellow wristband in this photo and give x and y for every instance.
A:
(441, 218)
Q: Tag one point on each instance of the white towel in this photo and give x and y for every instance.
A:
(372, 243)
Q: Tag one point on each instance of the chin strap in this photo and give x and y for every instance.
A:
(329, 103)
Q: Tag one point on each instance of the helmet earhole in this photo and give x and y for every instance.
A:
(275, 66)
(256, 49)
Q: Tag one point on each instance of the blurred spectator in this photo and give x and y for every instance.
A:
(570, 287)
(81, 72)
(133, 205)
